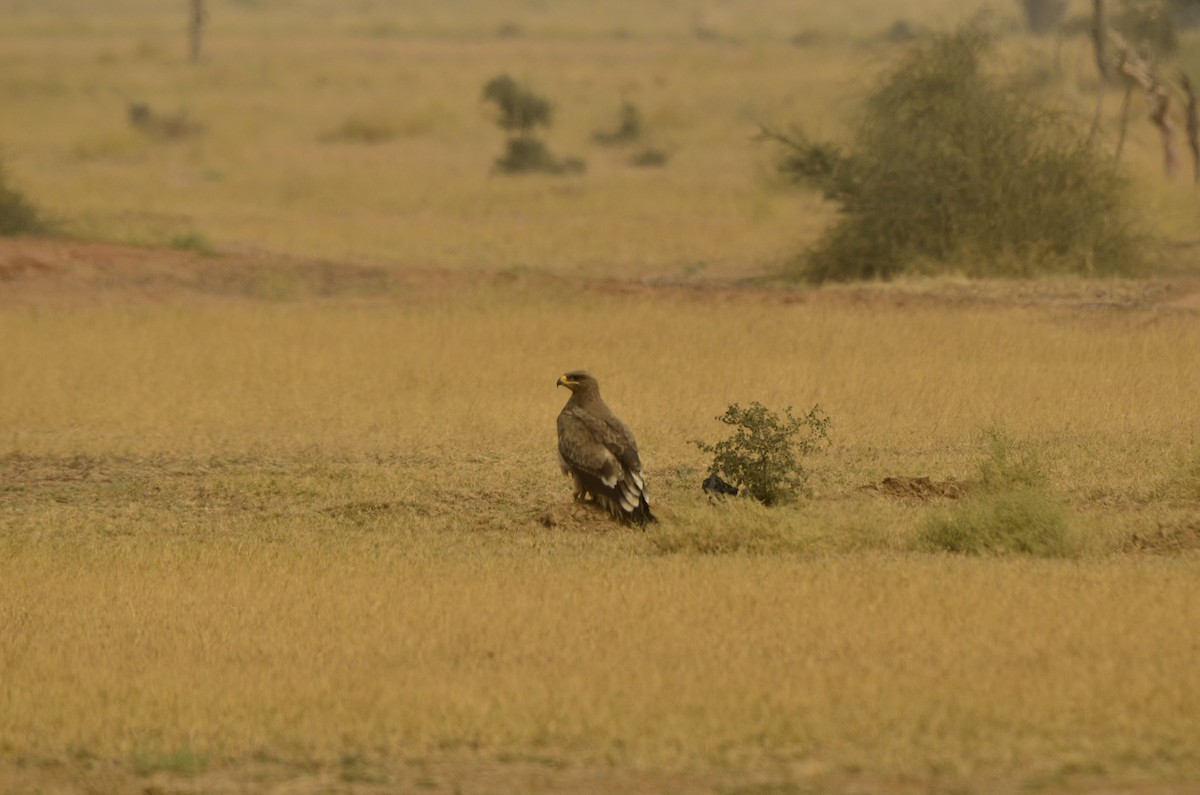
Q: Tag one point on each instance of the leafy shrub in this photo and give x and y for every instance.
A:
(1008, 509)
(764, 454)
(17, 215)
(807, 162)
(525, 153)
(521, 110)
(955, 169)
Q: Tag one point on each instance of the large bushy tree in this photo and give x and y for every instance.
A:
(955, 169)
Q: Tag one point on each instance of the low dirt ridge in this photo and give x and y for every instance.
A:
(64, 272)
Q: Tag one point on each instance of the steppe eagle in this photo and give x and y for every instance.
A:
(599, 452)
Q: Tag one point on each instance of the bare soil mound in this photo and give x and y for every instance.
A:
(58, 271)
(920, 489)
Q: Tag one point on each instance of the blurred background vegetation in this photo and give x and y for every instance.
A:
(358, 131)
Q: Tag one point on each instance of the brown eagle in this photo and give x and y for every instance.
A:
(599, 452)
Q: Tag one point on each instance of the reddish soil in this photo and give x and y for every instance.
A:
(64, 272)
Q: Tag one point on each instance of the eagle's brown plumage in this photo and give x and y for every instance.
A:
(599, 452)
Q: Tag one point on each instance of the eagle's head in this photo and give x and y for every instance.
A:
(578, 381)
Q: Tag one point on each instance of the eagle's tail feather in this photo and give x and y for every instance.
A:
(626, 500)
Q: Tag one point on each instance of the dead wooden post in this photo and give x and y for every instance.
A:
(1141, 71)
(196, 28)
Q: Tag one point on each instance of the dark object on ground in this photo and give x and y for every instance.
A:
(162, 125)
(713, 484)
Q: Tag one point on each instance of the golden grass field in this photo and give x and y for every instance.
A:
(279, 504)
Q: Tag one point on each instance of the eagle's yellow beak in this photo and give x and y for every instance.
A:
(562, 381)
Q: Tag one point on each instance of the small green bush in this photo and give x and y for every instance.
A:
(17, 215)
(526, 153)
(954, 169)
(764, 455)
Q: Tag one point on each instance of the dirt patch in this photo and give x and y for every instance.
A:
(59, 272)
(921, 489)
(1167, 539)
(63, 272)
(577, 517)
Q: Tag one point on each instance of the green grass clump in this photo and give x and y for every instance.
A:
(957, 170)
(1009, 510)
(1021, 520)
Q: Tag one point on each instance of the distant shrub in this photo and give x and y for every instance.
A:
(953, 169)
(521, 112)
(629, 127)
(163, 126)
(362, 129)
(17, 215)
(525, 153)
(764, 455)
(649, 157)
(1008, 509)
(902, 31)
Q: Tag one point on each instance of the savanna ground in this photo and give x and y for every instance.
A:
(279, 506)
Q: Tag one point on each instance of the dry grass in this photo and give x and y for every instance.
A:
(294, 521)
(309, 531)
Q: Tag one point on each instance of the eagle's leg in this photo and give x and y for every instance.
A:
(580, 491)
